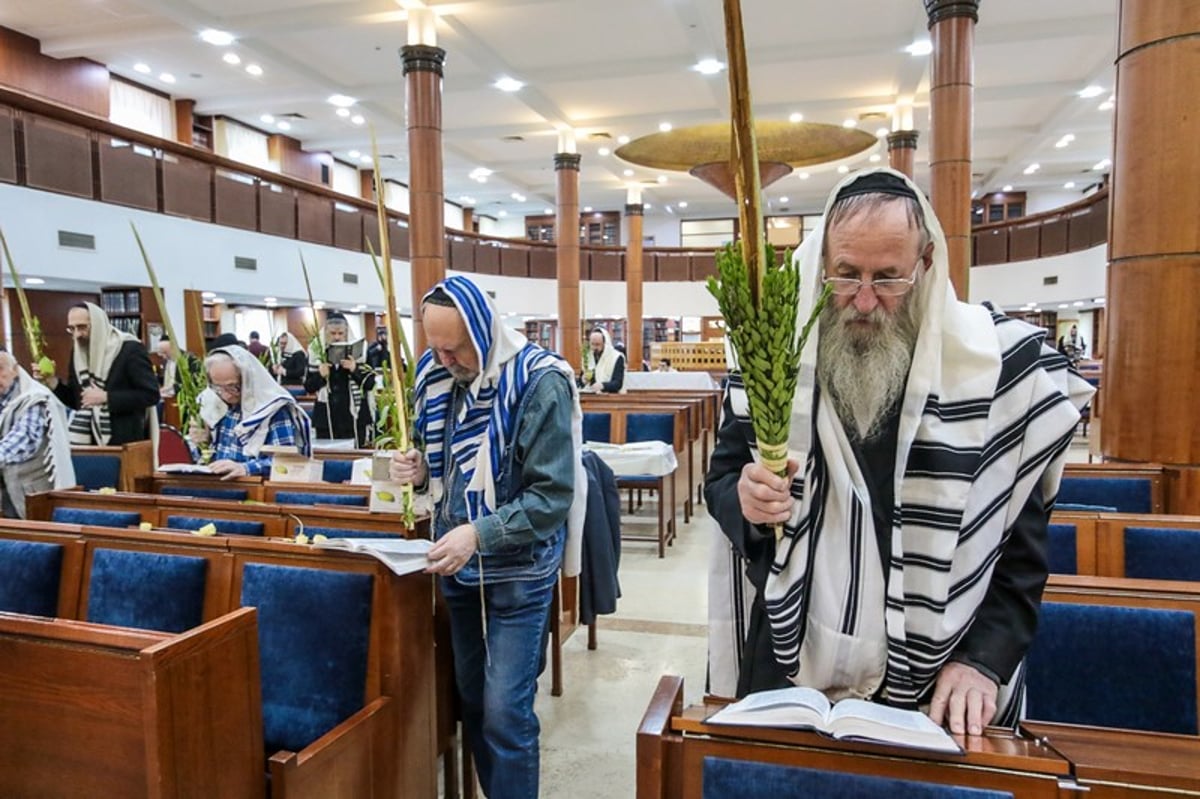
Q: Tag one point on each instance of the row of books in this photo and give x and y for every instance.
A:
(127, 325)
(116, 302)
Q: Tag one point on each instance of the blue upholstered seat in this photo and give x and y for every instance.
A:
(748, 779)
(1088, 665)
(343, 532)
(30, 572)
(96, 471)
(235, 494)
(97, 518)
(1062, 556)
(1075, 506)
(147, 590)
(224, 526)
(1126, 494)
(1162, 553)
(305, 498)
(333, 471)
(313, 637)
(295, 391)
(597, 427)
(650, 427)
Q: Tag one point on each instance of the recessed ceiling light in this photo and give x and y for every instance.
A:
(270, 299)
(254, 69)
(358, 119)
(920, 47)
(518, 196)
(166, 77)
(783, 200)
(364, 159)
(881, 132)
(1006, 187)
(1070, 184)
(1108, 104)
(875, 158)
(849, 123)
(354, 153)
(507, 84)
(587, 209)
(232, 58)
(647, 206)
(682, 203)
(843, 169)
(1064, 305)
(217, 299)
(1077, 303)
(1091, 91)
(502, 213)
(34, 281)
(142, 68)
(343, 112)
(283, 125)
(216, 37)
(547, 210)
(661, 178)
(708, 66)
(664, 127)
(1098, 300)
(627, 173)
(1102, 165)
(622, 139)
(803, 176)
(603, 151)
(1029, 170)
(208, 295)
(795, 116)
(340, 100)
(267, 119)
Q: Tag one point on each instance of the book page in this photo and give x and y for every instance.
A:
(402, 555)
(785, 707)
(872, 721)
(184, 468)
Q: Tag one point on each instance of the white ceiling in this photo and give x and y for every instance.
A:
(611, 68)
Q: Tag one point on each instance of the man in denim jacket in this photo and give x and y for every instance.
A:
(497, 416)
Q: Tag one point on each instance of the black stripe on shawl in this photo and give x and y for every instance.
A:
(942, 461)
(960, 411)
(850, 612)
(929, 516)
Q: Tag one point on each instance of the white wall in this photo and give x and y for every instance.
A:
(1081, 276)
(664, 228)
(510, 227)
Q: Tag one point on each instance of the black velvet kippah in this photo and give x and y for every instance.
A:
(877, 183)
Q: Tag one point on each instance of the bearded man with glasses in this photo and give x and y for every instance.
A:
(927, 442)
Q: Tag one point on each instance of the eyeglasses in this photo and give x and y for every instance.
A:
(80, 328)
(884, 287)
(226, 388)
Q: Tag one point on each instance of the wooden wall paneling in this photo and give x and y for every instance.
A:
(514, 261)
(704, 267)
(370, 220)
(50, 307)
(75, 82)
(187, 188)
(8, 146)
(347, 229)
(608, 266)
(1023, 242)
(398, 235)
(58, 157)
(1079, 231)
(193, 321)
(277, 210)
(1099, 222)
(991, 247)
(314, 218)
(673, 267)
(464, 258)
(1054, 237)
(236, 203)
(543, 262)
(128, 173)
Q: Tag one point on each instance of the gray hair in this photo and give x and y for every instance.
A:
(220, 357)
(871, 203)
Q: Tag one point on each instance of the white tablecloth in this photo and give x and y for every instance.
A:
(644, 457)
(647, 381)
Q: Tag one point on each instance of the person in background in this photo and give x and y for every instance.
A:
(608, 370)
(342, 388)
(293, 363)
(35, 454)
(110, 384)
(242, 410)
(1072, 345)
(664, 365)
(256, 347)
(168, 372)
(377, 353)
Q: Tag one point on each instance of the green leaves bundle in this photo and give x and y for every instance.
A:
(30, 323)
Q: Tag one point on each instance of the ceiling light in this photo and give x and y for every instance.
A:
(627, 173)
(364, 159)
(920, 47)
(216, 37)
(1070, 184)
(708, 66)
(1064, 305)
(232, 58)
(622, 139)
(1029, 170)
(319, 304)
(480, 172)
(340, 100)
(343, 112)
(1102, 165)
(647, 206)
(267, 119)
(208, 295)
(516, 195)
(661, 178)
(783, 200)
(1077, 303)
(587, 209)
(354, 153)
(795, 116)
(254, 69)
(502, 213)
(547, 211)
(670, 210)
(270, 299)
(34, 281)
(803, 176)
(875, 158)
(849, 123)
(843, 169)
(664, 127)
(283, 125)
(881, 132)
(682, 203)
(166, 77)
(603, 151)
(142, 68)
(1091, 91)
(1006, 187)
(507, 84)
(1107, 105)
(358, 119)
(1098, 300)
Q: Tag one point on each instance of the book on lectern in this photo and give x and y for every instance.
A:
(401, 555)
(848, 720)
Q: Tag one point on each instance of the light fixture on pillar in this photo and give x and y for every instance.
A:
(422, 23)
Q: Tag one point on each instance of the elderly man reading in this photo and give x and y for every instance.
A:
(35, 454)
(927, 439)
(244, 409)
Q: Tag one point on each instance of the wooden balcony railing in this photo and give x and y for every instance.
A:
(1078, 226)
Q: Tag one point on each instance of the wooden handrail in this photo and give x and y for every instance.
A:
(1045, 216)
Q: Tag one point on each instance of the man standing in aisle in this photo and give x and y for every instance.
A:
(341, 383)
(500, 421)
(928, 438)
(110, 385)
(608, 364)
(34, 452)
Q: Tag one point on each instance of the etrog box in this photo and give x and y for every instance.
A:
(386, 494)
(295, 468)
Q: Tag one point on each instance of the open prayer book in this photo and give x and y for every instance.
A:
(184, 468)
(401, 555)
(336, 353)
(849, 719)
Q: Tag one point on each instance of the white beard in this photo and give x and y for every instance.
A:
(864, 369)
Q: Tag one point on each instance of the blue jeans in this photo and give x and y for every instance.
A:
(497, 696)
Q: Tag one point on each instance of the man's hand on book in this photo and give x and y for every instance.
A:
(453, 550)
(964, 699)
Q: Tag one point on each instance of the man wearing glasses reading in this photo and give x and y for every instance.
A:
(244, 409)
(927, 442)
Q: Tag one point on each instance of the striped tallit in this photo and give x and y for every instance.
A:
(91, 425)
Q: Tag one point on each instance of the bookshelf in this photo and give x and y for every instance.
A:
(132, 309)
(659, 330)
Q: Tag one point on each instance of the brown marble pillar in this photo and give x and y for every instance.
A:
(633, 286)
(566, 234)
(468, 220)
(426, 211)
(951, 101)
(1151, 373)
(902, 150)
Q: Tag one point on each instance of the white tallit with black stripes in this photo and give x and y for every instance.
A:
(91, 425)
(988, 411)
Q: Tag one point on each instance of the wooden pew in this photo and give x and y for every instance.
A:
(1110, 536)
(137, 460)
(91, 710)
(672, 742)
(1153, 473)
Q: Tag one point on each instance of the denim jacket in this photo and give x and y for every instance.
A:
(524, 538)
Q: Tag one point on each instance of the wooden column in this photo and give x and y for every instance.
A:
(1151, 377)
(566, 234)
(366, 184)
(184, 116)
(468, 220)
(951, 101)
(426, 215)
(633, 285)
(902, 150)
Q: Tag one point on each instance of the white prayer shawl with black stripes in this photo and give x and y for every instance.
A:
(91, 425)
(260, 399)
(604, 366)
(51, 467)
(988, 411)
(484, 427)
(317, 349)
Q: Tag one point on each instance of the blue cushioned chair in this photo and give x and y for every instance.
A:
(597, 427)
(296, 391)
(313, 636)
(304, 498)
(97, 518)
(1062, 556)
(1161, 553)
(1126, 494)
(343, 532)
(30, 572)
(747, 779)
(337, 471)
(1088, 665)
(224, 526)
(235, 494)
(96, 471)
(147, 590)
